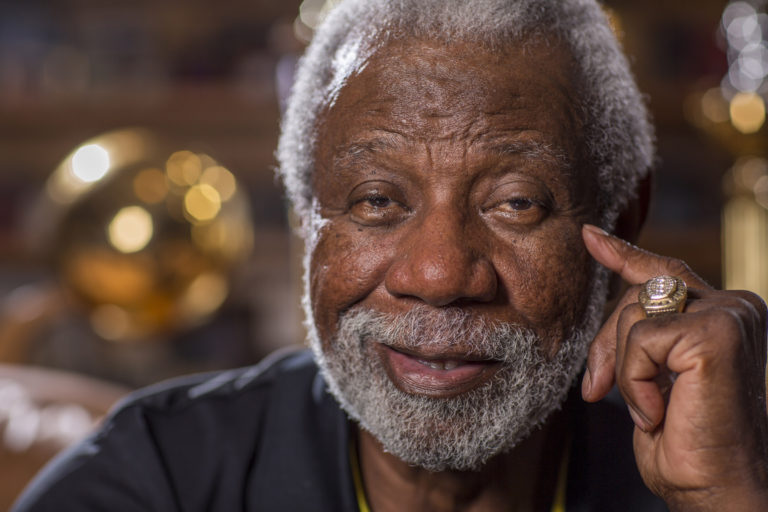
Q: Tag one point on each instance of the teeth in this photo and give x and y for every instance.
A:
(441, 365)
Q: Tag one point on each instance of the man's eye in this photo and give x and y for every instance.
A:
(520, 204)
(519, 211)
(376, 210)
(378, 201)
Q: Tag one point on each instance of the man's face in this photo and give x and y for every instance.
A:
(451, 194)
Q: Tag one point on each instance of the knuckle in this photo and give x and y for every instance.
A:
(637, 331)
(751, 300)
(746, 306)
(626, 311)
(751, 311)
(729, 300)
(727, 323)
(629, 316)
(639, 334)
(624, 384)
(676, 266)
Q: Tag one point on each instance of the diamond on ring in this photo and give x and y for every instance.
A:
(663, 295)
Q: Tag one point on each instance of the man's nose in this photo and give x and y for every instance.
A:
(441, 261)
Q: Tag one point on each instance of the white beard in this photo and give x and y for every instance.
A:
(464, 431)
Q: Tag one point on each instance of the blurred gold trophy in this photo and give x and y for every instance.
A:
(141, 235)
(140, 239)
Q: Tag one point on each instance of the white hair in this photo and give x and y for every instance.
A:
(619, 138)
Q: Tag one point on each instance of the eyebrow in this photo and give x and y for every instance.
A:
(358, 150)
(392, 141)
(387, 141)
(529, 148)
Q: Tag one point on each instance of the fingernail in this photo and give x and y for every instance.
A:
(586, 384)
(596, 230)
(637, 418)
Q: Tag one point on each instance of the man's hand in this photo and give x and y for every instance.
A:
(694, 383)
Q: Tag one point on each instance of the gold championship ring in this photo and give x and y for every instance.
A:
(663, 295)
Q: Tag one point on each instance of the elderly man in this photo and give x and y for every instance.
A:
(451, 162)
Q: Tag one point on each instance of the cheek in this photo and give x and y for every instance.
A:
(344, 269)
(549, 283)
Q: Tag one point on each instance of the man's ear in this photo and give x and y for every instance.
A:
(631, 219)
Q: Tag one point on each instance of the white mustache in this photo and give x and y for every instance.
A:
(447, 330)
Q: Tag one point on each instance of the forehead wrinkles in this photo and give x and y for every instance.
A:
(419, 87)
(389, 142)
(414, 93)
(422, 82)
(434, 89)
(438, 92)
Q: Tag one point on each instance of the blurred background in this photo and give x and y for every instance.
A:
(143, 235)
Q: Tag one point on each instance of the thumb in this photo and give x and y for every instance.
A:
(635, 265)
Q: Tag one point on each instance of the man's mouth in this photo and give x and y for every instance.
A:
(434, 374)
(441, 364)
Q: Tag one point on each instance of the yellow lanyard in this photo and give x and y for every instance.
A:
(558, 504)
(362, 503)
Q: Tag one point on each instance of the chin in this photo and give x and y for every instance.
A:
(461, 431)
(453, 430)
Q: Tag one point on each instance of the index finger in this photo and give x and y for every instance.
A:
(635, 266)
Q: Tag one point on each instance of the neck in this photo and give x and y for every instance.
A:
(521, 479)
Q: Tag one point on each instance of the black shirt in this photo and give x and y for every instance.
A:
(271, 438)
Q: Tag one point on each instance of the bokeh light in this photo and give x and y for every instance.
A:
(220, 179)
(311, 14)
(204, 295)
(24, 422)
(747, 112)
(230, 240)
(21, 427)
(714, 106)
(90, 163)
(202, 203)
(131, 229)
(761, 191)
(745, 28)
(184, 168)
(741, 24)
(747, 171)
(111, 322)
(64, 421)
